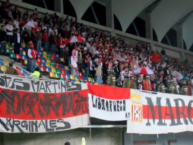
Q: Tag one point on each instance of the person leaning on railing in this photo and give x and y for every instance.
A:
(36, 74)
(11, 70)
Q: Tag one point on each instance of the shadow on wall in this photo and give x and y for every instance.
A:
(98, 137)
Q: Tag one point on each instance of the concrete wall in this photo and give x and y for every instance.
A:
(1, 139)
(181, 138)
(98, 137)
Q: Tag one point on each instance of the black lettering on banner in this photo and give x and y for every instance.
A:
(42, 87)
(18, 84)
(14, 83)
(24, 125)
(2, 82)
(153, 112)
(4, 125)
(94, 101)
(37, 86)
(63, 85)
(48, 83)
(190, 111)
(65, 125)
(124, 105)
(33, 105)
(34, 126)
(53, 124)
(73, 86)
(103, 104)
(108, 105)
(99, 103)
(180, 113)
(5, 80)
(169, 107)
(110, 102)
(118, 106)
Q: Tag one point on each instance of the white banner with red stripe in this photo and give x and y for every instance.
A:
(159, 113)
(108, 103)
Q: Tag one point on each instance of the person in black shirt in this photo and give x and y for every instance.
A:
(3, 36)
(163, 52)
(16, 13)
(26, 37)
(87, 65)
(105, 73)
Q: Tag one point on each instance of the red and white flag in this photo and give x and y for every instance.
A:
(75, 39)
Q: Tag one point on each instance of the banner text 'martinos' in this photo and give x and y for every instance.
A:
(108, 105)
(178, 114)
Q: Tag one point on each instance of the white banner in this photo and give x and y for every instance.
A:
(42, 126)
(40, 86)
(108, 103)
(159, 113)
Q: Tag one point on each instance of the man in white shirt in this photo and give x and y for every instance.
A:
(16, 23)
(74, 59)
(123, 72)
(9, 30)
(74, 66)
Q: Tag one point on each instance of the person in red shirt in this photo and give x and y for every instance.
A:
(146, 85)
(189, 88)
(52, 42)
(61, 45)
(31, 58)
(155, 58)
(45, 40)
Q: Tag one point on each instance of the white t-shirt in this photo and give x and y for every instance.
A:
(74, 62)
(122, 75)
(9, 29)
(16, 24)
(18, 38)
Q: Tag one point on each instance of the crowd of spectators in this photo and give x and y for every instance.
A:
(99, 54)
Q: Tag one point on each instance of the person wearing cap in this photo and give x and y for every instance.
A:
(17, 41)
(11, 70)
(31, 57)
